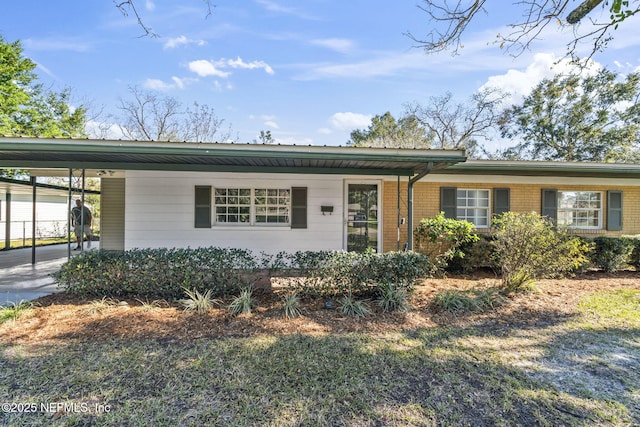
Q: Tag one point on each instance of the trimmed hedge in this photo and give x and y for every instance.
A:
(613, 253)
(157, 273)
(165, 273)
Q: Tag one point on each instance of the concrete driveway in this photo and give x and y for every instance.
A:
(20, 280)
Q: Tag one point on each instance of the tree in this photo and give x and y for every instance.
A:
(128, 7)
(151, 116)
(26, 108)
(385, 131)
(574, 118)
(449, 21)
(458, 126)
(264, 137)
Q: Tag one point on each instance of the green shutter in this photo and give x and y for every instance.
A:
(448, 199)
(299, 207)
(203, 206)
(501, 200)
(614, 210)
(550, 204)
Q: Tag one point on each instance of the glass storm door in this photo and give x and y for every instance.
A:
(362, 217)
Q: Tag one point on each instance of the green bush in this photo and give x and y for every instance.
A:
(612, 253)
(475, 255)
(165, 273)
(340, 273)
(441, 238)
(529, 248)
(157, 273)
(634, 259)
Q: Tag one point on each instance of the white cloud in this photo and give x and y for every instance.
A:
(272, 6)
(239, 63)
(181, 41)
(520, 83)
(177, 83)
(349, 121)
(150, 5)
(271, 124)
(338, 45)
(325, 131)
(205, 68)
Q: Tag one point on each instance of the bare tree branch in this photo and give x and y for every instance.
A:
(449, 20)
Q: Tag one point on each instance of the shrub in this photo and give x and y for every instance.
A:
(528, 248)
(339, 273)
(151, 273)
(440, 238)
(634, 259)
(475, 255)
(612, 253)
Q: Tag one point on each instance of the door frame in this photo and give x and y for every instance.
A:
(345, 210)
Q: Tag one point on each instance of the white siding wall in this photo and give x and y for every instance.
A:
(51, 216)
(160, 212)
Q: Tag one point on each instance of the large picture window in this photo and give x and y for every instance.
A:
(252, 206)
(473, 206)
(580, 209)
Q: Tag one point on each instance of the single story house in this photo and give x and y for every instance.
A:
(275, 198)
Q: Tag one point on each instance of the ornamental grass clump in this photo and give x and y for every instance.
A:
(393, 298)
(243, 303)
(199, 302)
(291, 305)
(353, 307)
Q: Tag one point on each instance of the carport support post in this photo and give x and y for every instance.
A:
(69, 216)
(7, 225)
(412, 181)
(33, 220)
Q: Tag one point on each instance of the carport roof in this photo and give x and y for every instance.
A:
(26, 152)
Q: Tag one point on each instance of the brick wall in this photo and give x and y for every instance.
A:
(524, 198)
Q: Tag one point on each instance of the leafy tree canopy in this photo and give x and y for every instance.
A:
(26, 107)
(386, 131)
(577, 118)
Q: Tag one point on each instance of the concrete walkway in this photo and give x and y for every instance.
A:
(20, 280)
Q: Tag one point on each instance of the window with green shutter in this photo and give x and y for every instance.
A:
(448, 199)
(614, 210)
(203, 206)
(501, 200)
(550, 204)
(299, 207)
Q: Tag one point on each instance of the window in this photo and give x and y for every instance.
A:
(252, 206)
(272, 205)
(473, 206)
(580, 209)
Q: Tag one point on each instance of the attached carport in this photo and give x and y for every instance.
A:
(101, 157)
(10, 189)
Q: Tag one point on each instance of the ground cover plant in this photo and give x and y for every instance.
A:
(566, 355)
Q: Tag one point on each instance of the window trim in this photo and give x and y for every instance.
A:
(252, 209)
(488, 207)
(601, 210)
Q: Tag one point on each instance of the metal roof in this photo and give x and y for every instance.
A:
(544, 168)
(25, 152)
(22, 187)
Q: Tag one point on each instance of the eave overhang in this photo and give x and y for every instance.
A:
(22, 152)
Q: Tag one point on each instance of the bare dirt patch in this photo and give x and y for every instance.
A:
(62, 316)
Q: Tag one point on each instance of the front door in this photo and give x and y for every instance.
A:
(362, 227)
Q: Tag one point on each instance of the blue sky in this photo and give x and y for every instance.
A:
(309, 71)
